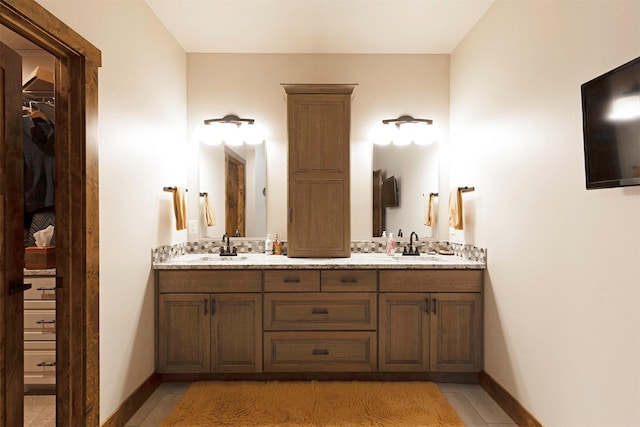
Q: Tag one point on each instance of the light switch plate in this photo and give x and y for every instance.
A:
(193, 226)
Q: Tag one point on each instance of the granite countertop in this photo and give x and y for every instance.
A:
(356, 261)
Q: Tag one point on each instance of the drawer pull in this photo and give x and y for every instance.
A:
(47, 322)
(319, 311)
(348, 280)
(46, 289)
(320, 352)
(292, 280)
(435, 304)
(46, 364)
(205, 306)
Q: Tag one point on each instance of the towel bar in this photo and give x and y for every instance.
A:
(171, 189)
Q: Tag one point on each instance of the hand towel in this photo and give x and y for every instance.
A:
(180, 208)
(455, 209)
(430, 216)
(209, 213)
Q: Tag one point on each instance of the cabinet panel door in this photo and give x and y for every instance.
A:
(319, 198)
(183, 333)
(236, 334)
(456, 332)
(403, 332)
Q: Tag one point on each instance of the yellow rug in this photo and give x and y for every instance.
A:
(313, 403)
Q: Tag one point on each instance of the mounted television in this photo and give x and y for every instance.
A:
(611, 127)
(390, 196)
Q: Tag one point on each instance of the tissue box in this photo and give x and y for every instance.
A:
(36, 258)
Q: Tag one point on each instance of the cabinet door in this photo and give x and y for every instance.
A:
(236, 333)
(403, 332)
(183, 333)
(456, 332)
(319, 197)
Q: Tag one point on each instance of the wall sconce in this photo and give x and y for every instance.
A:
(230, 130)
(407, 130)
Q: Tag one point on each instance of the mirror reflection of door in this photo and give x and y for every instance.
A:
(234, 194)
(11, 237)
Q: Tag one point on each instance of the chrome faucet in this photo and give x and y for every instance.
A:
(410, 250)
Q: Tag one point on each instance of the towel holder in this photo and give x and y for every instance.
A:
(463, 189)
(171, 189)
(204, 194)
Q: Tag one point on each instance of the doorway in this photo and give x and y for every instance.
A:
(76, 65)
(234, 194)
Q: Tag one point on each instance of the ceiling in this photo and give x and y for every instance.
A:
(319, 26)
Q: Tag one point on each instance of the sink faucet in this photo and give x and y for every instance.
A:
(410, 250)
(227, 251)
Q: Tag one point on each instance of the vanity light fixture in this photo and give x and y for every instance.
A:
(230, 130)
(407, 130)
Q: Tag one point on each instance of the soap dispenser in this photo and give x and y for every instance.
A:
(268, 245)
(391, 245)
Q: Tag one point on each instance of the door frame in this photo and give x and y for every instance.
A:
(77, 238)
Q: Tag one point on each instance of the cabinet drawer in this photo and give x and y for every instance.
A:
(292, 281)
(42, 288)
(39, 325)
(40, 366)
(349, 280)
(320, 351)
(209, 281)
(431, 281)
(39, 305)
(320, 311)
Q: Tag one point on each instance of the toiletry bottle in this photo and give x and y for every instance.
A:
(391, 245)
(277, 246)
(268, 245)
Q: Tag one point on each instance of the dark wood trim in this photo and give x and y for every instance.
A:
(439, 377)
(507, 402)
(77, 245)
(130, 406)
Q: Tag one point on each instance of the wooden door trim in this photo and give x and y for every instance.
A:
(77, 244)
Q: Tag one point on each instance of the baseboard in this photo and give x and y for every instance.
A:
(130, 406)
(507, 402)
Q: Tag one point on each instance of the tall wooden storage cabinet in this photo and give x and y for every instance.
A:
(319, 118)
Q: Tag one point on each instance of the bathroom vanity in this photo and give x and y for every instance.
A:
(368, 314)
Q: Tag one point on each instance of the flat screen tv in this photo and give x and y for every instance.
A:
(611, 127)
(390, 196)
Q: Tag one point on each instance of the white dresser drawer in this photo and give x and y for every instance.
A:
(42, 288)
(40, 366)
(39, 325)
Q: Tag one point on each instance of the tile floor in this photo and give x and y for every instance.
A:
(472, 403)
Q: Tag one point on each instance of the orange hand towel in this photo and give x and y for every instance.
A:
(180, 208)
(430, 217)
(209, 213)
(455, 209)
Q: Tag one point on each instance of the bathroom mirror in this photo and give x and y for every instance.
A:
(416, 169)
(234, 177)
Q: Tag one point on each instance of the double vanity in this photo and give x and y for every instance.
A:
(366, 316)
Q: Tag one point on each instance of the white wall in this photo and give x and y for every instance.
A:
(562, 322)
(249, 85)
(142, 144)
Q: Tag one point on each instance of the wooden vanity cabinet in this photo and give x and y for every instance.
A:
(328, 327)
(209, 321)
(422, 329)
(318, 118)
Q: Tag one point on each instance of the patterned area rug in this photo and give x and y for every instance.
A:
(313, 403)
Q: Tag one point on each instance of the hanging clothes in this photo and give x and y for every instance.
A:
(38, 137)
